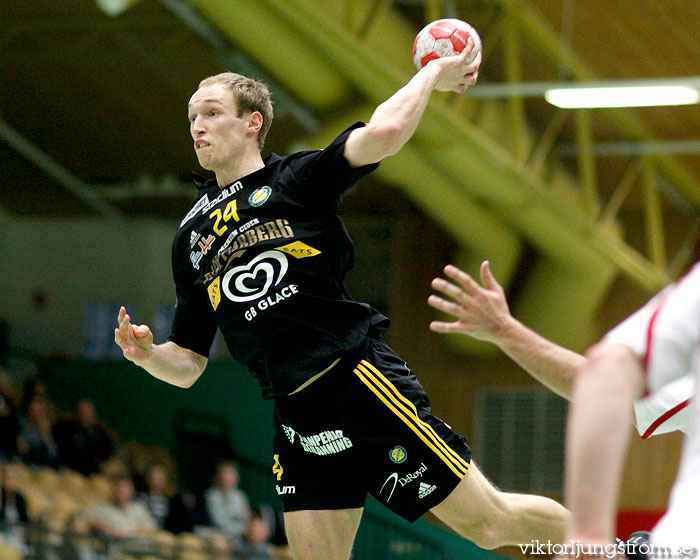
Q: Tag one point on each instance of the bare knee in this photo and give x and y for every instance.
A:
(478, 511)
(322, 534)
(487, 533)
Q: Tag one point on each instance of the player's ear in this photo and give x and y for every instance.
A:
(255, 121)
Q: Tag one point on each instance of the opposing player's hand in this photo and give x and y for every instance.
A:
(481, 312)
(456, 73)
(136, 341)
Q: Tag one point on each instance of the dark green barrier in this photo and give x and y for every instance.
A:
(147, 410)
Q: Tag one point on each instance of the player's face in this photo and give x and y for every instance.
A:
(219, 134)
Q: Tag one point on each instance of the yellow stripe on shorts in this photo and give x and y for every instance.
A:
(408, 414)
(424, 425)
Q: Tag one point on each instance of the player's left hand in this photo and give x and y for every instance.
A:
(456, 73)
(481, 312)
(136, 341)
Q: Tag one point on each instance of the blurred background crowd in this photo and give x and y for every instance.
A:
(71, 489)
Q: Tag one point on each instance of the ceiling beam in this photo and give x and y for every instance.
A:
(471, 185)
(66, 23)
(467, 157)
(643, 147)
(548, 43)
(56, 171)
(296, 64)
(238, 61)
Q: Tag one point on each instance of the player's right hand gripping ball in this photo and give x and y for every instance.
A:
(444, 37)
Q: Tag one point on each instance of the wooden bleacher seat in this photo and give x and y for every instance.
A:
(73, 482)
(47, 479)
(100, 486)
(165, 542)
(9, 553)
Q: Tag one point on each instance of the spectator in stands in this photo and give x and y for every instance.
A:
(77, 544)
(220, 548)
(227, 505)
(169, 509)
(13, 508)
(256, 540)
(35, 440)
(122, 516)
(32, 388)
(9, 418)
(84, 442)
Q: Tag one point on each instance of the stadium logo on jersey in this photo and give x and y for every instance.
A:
(253, 280)
(425, 489)
(201, 203)
(259, 196)
(277, 467)
(281, 490)
(299, 250)
(214, 290)
(223, 195)
(398, 454)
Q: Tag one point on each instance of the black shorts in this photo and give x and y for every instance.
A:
(365, 427)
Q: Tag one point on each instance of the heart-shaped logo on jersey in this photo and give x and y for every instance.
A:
(252, 281)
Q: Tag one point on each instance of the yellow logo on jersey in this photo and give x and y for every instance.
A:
(260, 196)
(299, 250)
(398, 454)
(277, 468)
(214, 290)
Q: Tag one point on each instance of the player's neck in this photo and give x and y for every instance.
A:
(239, 168)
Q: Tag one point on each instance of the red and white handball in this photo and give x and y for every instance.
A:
(444, 37)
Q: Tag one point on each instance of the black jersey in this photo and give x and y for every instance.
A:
(264, 259)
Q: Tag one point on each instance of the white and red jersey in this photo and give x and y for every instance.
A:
(665, 410)
(678, 528)
(665, 334)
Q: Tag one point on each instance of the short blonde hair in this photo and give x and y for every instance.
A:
(250, 95)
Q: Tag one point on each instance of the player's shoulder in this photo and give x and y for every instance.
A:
(288, 168)
(294, 158)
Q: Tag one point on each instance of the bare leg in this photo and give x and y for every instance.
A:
(322, 534)
(491, 518)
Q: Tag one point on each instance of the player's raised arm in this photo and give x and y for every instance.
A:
(167, 362)
(482, 313)
(395, 120)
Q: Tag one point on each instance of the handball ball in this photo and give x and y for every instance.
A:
(443, 37)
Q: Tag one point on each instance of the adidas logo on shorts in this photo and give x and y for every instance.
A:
(425, 489)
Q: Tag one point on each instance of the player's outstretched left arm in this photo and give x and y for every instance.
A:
(395, 120)
(482, 313)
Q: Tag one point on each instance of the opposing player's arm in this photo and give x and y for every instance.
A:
(597, 438)
(395, 120)
(168, 362)
(482, 313)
